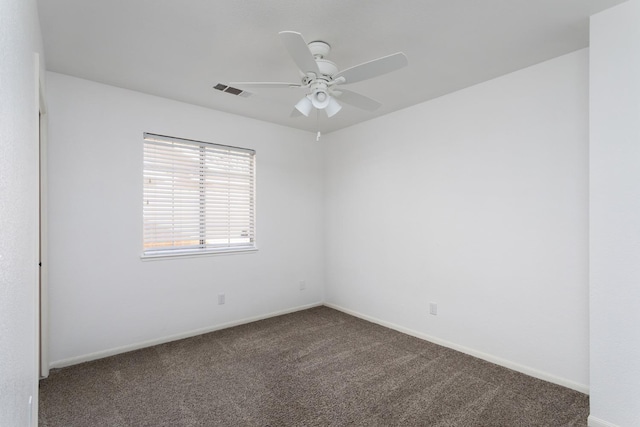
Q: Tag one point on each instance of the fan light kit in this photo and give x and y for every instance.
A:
(321, 77)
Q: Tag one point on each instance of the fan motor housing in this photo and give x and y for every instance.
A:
(319, 48)
(326, 67)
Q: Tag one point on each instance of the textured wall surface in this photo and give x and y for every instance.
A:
(615, 215)
(19, 41)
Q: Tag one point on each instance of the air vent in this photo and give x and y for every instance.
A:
(232, 90)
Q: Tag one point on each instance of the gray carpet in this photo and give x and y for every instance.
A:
(317, 367)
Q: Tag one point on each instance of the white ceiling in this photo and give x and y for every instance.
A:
(180, 49)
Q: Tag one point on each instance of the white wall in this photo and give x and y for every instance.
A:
(19, 40)
(103, 298)
(615, 216)
(476, 201)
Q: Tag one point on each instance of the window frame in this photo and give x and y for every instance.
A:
(202, 248)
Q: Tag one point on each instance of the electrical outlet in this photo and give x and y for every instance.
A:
(303, 285)
(220, 299)
(433, 309)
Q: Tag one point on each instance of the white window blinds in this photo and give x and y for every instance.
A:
(198, 197)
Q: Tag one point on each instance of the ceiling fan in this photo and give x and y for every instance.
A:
(322, 78)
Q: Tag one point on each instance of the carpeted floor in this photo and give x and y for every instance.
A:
(317, 367)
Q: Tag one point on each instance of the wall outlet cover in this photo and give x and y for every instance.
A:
(433, 309)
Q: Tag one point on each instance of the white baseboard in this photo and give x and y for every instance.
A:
(131, 347)
(597, 422)
(593, 422)
(583, 388)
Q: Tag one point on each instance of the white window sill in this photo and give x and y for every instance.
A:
(195, 254)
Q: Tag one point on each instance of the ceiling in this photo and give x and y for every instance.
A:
(181, 49)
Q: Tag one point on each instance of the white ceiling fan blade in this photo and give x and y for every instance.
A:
(358, 100)
(266, 85)
(295, 113)
(374, 68)
(299, 51)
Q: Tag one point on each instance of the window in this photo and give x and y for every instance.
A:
(198, 197)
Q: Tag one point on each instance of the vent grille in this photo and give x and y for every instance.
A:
(232, 90)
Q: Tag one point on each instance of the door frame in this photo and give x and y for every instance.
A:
(42, 307)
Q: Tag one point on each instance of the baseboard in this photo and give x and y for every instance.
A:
(488, 357)
(593, 421)
(597, 422)
(131, 347)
